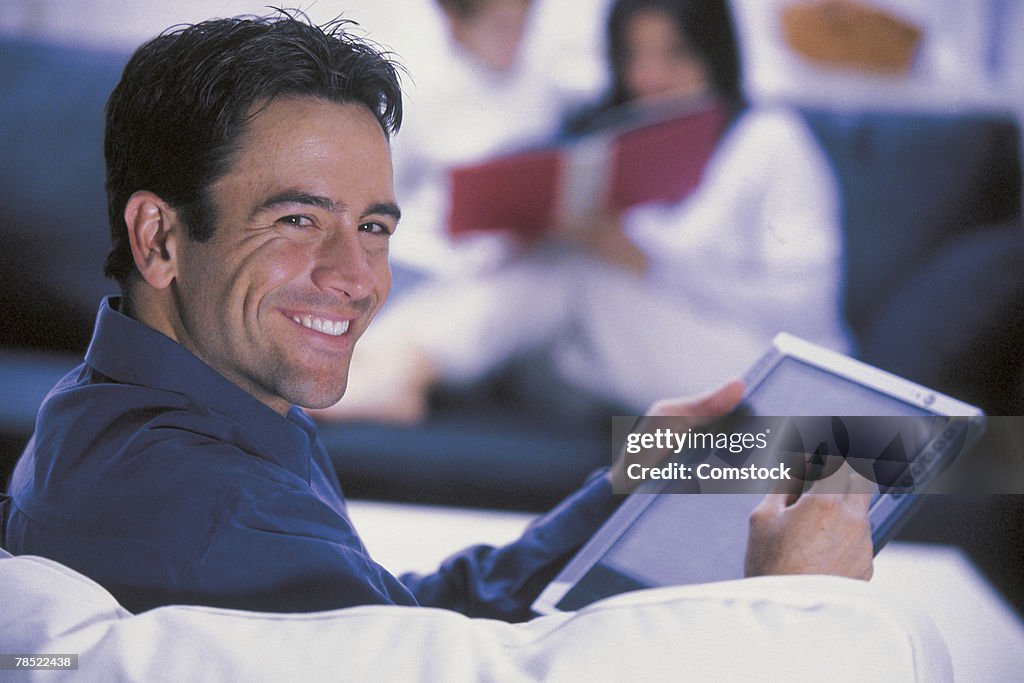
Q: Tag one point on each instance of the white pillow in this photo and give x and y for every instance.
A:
(808, 628)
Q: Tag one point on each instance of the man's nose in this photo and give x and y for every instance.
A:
(343, 264)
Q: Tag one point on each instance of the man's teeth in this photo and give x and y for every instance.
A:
(334, 329)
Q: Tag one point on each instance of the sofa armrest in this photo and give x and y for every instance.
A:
(807, 628)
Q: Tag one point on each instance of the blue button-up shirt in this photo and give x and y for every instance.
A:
(168, 484)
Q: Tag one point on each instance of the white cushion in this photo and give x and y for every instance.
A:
(807, 628)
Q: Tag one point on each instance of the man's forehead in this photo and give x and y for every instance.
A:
(282, 109)
(309, 147)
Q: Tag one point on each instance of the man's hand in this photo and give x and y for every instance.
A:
(691, 412)
(824, 531)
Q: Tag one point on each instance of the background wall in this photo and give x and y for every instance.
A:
(971, 56)
(567, 33)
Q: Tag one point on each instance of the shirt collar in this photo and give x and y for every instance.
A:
(131, 352)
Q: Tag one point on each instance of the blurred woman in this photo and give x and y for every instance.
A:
(664, 50)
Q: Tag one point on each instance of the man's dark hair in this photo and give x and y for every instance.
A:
(175, 120)
(706, 25)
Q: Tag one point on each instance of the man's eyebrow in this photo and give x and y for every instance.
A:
(295, 197)
(385, 208)
(325, 203)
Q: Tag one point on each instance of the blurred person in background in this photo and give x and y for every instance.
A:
(475, 93)
(662, 299)
(659, 52)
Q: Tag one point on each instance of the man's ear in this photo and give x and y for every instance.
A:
(153, 230)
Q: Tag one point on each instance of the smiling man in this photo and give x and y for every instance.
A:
(298, 263)
(251, 206)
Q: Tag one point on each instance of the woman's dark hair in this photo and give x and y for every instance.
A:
(706, 25)
(463, 8)
(175, 119)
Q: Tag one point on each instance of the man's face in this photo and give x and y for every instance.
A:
(298, 263)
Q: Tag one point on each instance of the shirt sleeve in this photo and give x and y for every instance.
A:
(502, 583)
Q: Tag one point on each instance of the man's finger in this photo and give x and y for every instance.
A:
(844, 481)
(718, 402)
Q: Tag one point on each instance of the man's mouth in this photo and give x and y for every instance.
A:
(334, 328)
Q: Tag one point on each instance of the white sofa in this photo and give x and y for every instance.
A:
(773, 628)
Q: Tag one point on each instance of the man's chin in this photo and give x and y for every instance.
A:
(319, 396)
(316, 405)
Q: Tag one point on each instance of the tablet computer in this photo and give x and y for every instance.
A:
(821, 403)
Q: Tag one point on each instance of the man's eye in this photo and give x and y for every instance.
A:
(375, 229)
(297, 221)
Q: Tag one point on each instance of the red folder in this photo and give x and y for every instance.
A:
(531, 193)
